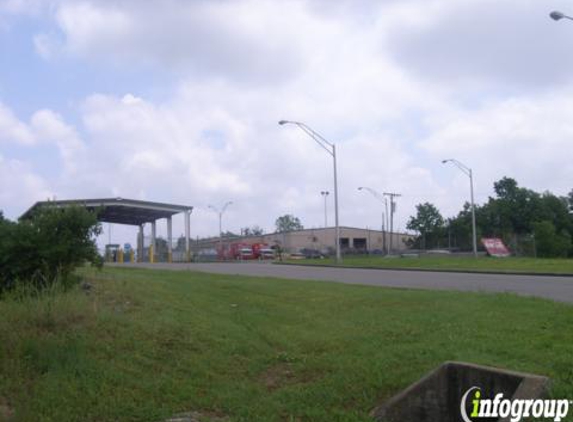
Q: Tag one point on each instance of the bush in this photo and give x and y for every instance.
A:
(47, 247)
(548, 242)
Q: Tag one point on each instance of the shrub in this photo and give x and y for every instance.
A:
(47, 247)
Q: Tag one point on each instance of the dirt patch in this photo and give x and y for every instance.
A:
(277, 376)
(6, 411)
(204, 416)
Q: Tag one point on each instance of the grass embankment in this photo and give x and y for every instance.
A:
(453, 263)
(147, 344)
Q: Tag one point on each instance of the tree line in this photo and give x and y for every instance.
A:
(529, 222)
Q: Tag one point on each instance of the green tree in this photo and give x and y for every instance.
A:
(47, 247)
(252, 231)
(517, 208)
(556, 210)
(181, 243)
(428, 222)
(288, 223)
(512, 214)
(569, 200)
(460, 227)
(550, 243)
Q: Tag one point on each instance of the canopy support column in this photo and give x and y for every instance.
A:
(140, 244)
(169, 239)
(188, 235)
(152, 244)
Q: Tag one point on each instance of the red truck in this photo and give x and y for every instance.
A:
(263, 251)
(246, 251)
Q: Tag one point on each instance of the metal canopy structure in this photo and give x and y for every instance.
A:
(130, 212)
(119, 210)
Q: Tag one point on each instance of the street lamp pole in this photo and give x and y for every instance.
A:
(325, 194)
(330, 148)
(468, 172)
(392, 211)
(220, 213)
(385, 217)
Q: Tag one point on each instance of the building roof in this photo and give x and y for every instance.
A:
(119, 210)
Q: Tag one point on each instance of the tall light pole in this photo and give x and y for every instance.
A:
(220, 213)
(331, 149)
(468, 172)
(382, 199)
(325, 194)
(392, 211)
(555, 15)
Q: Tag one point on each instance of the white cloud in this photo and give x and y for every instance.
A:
(481, 45)
(20, 187)
(46, 128)
(13, 130)
(50, 128)
(524, 138)
(21, 6)
(247, 41)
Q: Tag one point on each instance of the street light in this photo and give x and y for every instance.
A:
(392, 211)
(331, 149)
(220, 212)
(325, 194)
(556, 15)
(468, 172)
(382, 199)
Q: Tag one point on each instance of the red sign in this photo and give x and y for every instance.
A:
(495, 247)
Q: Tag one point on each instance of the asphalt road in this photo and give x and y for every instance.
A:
(548, 287)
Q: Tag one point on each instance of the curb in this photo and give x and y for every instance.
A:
(430, 270)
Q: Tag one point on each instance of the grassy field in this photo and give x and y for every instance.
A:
(144, 345)
(453, 263)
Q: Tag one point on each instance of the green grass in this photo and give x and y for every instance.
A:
(145, 345)
(453, 263)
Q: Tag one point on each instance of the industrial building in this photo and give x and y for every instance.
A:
(151, 248)
(352, 239)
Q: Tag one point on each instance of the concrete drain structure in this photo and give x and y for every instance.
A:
(437, 397)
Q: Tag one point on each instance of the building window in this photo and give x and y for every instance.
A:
(360, 243)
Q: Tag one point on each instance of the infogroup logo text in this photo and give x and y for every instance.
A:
(515, 409)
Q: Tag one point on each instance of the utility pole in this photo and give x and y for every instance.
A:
(392, 211)
(385, 216)
(325, 194)
(468, 172)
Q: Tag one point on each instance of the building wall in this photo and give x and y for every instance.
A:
(324, 238)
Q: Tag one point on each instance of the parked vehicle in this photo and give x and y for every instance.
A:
(258, 248)
(266, 253)
(245, 251)
(311, 253)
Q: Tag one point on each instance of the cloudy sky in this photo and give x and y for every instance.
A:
(178, 101)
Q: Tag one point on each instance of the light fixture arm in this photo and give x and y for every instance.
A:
(556, 15)
(318, 138)
(374, 193)
(465, 169)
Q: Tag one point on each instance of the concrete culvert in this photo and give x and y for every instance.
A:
(438, 396)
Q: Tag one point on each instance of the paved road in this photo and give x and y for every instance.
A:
(556, 288)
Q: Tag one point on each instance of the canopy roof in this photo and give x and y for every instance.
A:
(119, 210)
